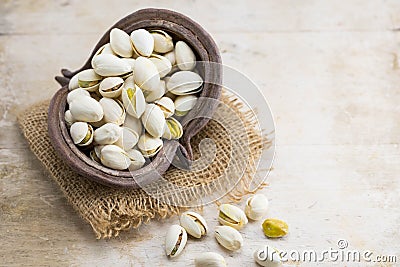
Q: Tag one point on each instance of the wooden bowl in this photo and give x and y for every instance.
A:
(179, 27)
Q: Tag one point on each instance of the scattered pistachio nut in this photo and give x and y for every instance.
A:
(86, 109)
(184, 103)
(142, 42)
(111, 87)
(149, 145)
(232, 216)
(89, 80)
(274, 228)
(137, 159)
(184, 83)
(133, 99)
(194, 224)
(162, 64)
(153, 120)
(173, 129)
(79, 92)
(166, 105)
(163, 42)
(146, 75)
(175, 240)
(268, 256)
(109, 65)
(107, 134)
(73, 83)
(256, 207)
(113, 110)
(185, 58)
(209, 259)
(228, 237)
(121, 43)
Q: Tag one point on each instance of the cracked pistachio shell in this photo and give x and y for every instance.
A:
(209, 259)
(228, 237)
(162, 64)
(171, 57)
(128, 139)
(142, 42)
(194, 224)
(111, 87)
(146, 74)
(268, 256)
(76, 94)
(175, 240)
(173, 129)
(114, 157)
(107, 134)
(69, 119)
(134, 124)
(184, 83)
(256, 206)
(121, 43)
(167, 106)
(275, 228)
(109, 65)
(163, 42)
(95, 154)
(152, 96)
(89, 80)
(153, 120)
(81, 133)
(232, 216)
(149, 145)
(86, 109)
(133, 98)
(137, 159)
(184, 103)
(73, 83)
(113, 110)
(185, 58)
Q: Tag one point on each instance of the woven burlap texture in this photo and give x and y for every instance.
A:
(237, 146)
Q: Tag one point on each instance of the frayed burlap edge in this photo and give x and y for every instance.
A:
(109, 218)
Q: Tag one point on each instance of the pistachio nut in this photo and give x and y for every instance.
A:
(162, 64)
(111, 87)
(194, 224)
(153, 120)
(107, 134)
(73, 83)
(86, 109)
(79, 92)
(275, 228)
(167, 106)
(184, 103)
(137, 159)
(149, 145)
(69, 119)
(146, 74)
(228, 237)
(175, 240)
(209, 259)
(171, 57)
(232, 216)
(113, 110)
(114, 157)
(185, 58)
(133, 98)
(89, 80)
(133, 124)
(121, 43)
(268, 256)
(105, 49)
(81, 133)
(162, 41)
(256, 206)
(128, 139)
(110, 65)
(142, 42)
(173, 129)
(151, 96)
(184, 83)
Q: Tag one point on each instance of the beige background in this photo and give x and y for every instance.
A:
(330, 72)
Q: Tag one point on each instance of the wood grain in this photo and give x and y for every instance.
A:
(330, 72)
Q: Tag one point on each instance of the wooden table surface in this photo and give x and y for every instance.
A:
(330, 72)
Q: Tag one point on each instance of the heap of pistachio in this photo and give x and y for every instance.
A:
(132, 98)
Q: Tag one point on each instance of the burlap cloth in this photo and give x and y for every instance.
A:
(237, 145)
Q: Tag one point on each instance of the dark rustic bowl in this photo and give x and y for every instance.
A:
(179, 27)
